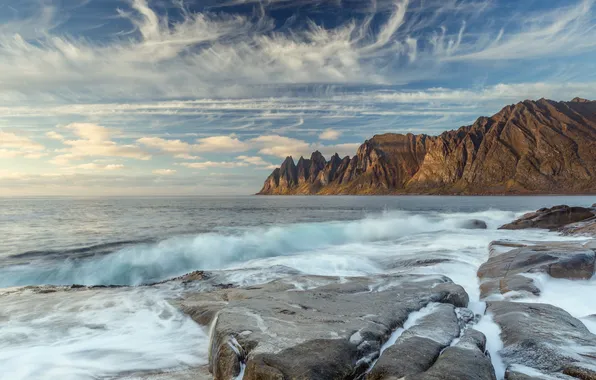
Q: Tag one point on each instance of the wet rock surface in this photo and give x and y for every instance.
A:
(419, 346)
(474, 224)
(403, 326)
(553, 218)
(504, 271)
(464, 360)
(543, 337)
(309, 327)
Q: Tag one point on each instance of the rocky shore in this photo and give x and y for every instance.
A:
(411, 326)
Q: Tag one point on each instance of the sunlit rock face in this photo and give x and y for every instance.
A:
(528, 148)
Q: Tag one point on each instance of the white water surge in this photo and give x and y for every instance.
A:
(103, 333)
(91, 334)
(360, 239)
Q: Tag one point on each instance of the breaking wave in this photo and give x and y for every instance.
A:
(151, 262)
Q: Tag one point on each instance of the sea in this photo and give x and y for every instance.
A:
(126, 331)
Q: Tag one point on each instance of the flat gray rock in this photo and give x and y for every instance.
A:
(309, 327)
(419, 346)
(543, 337)
(466, 360)
(503, 271)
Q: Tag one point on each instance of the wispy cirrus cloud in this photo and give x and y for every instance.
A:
(564, 31)
(236, 85)
(210, 53)
(222, 54)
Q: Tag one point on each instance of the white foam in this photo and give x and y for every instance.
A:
(413, 319)
(176, 256)
(577, 297)
(590, 323)
(92, 334)
(242, 370)
(494, 344)
(528, 371)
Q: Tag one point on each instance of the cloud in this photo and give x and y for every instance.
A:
(9, 153)
(179, 147)
(202, 54)
(256, 161)
(330, 134)
(14, 141)
(241, 161)
(221, 144)
(212, 88)
(564, 31)
(14, 146)
(55, 136)
(219, 54)
(502, 92)
(184, 150)
(212, 164)
(185, 156)
(347, 149)
(95, 141)
(98, 167)
(164, 172)
(43, 20)
(11, 175)
(281, 146)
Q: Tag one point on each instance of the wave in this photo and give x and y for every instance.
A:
(151, 262)
(82, 252)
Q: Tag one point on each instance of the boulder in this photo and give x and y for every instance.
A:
(580, 372)
(474, 224)
(551, 218)
(543, 337)
(524, 373)
(584, 228)
(332, 330)
(419, 346)
(464, 360)
(503, 271)
(522, 285)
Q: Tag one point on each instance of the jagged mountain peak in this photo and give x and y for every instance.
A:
(580, 100)
(538, 146)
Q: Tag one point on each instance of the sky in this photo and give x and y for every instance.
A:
(206, 97)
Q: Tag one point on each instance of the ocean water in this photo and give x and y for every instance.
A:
(120, 332)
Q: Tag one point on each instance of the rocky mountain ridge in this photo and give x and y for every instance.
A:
(531, 147)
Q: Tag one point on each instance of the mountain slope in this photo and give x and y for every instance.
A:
(531, 147)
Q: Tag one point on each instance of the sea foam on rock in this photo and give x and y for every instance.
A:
(540, 340)
(542, 336)
(333, 330)
(504, 271)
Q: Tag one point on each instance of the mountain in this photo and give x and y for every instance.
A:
(532, 147)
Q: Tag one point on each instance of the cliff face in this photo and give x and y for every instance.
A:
(531, 147)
